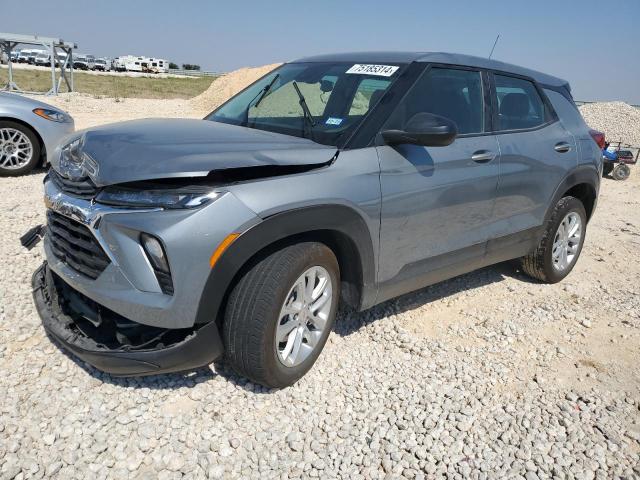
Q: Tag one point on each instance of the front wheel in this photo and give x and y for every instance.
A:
(19, 149)
(561, 243)
(280, 313)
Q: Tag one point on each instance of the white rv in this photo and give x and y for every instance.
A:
(134, 63)
(158, 65)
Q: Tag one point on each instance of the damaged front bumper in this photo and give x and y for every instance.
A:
(112, 343)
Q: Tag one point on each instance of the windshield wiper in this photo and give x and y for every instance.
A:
(266, 90)
(258, 98)
(305, 109)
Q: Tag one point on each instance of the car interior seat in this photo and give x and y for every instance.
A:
(514, 112)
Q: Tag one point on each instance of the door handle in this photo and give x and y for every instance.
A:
(562, 147)
(483, 156)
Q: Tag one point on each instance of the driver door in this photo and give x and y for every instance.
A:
(437, 202)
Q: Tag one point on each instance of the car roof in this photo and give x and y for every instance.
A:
(437, 57)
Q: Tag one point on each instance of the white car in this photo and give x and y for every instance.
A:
(102, 65)
(29, 132)
(43, 60)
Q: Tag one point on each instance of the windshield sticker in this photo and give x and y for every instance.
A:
(379, 70)
(333, 121)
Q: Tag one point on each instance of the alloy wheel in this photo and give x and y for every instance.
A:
(16, 149)
(566, 241)
(303, 316)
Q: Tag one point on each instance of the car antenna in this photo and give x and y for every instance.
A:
(494, 46)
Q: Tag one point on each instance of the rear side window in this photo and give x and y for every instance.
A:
(519, 104)
(451, 93)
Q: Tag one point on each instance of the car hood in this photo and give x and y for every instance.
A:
(171, 148)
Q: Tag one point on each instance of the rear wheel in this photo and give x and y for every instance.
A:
(280, 314)
(621, 172)
(19, 149)
(561, 244)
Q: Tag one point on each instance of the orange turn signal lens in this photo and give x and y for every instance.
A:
(222, 248)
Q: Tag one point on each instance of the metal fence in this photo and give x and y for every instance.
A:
(584, 102)
(194, 73)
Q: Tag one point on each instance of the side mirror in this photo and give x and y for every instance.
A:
(425, 129)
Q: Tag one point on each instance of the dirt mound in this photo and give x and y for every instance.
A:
(618, 120)
(227, 86)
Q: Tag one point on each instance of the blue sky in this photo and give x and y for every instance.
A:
(593, 44)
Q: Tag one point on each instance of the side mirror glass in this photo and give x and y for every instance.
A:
(425, 129)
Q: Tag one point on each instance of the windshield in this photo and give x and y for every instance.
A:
(324, 102)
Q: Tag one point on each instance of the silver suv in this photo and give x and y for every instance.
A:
(339, 179)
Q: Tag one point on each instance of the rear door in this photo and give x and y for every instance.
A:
(437, 202)
(536, 151)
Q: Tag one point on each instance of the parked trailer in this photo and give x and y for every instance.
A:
(133, 63)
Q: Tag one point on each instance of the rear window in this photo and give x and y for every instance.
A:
(519, 104)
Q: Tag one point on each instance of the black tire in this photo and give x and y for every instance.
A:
(253, 308)
(539, 263)
(621, 172)
(607, 168)
(35, 151)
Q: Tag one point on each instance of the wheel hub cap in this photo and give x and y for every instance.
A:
(16, 149)
(303, 317)
(566, 241)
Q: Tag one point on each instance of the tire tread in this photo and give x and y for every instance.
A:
(253, 299)
(534, 263)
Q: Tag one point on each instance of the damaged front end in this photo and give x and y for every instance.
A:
(112, 343)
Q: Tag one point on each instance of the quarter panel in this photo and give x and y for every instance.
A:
(588, 151)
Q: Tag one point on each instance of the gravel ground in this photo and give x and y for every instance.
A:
(488, 375)
(618, 120)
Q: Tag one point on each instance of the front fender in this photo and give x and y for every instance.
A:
(337, 220)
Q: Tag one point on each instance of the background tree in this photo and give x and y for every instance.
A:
(189, 66)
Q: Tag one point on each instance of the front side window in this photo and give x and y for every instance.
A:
(337, 96)
(451, 93)
(519, 104)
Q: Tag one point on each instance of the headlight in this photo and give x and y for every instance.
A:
(53, 115)
(74, 163)
(184, 197)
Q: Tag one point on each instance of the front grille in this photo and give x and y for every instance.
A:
(75, 245)
(79, 188)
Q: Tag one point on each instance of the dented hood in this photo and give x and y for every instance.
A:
(169, 148)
